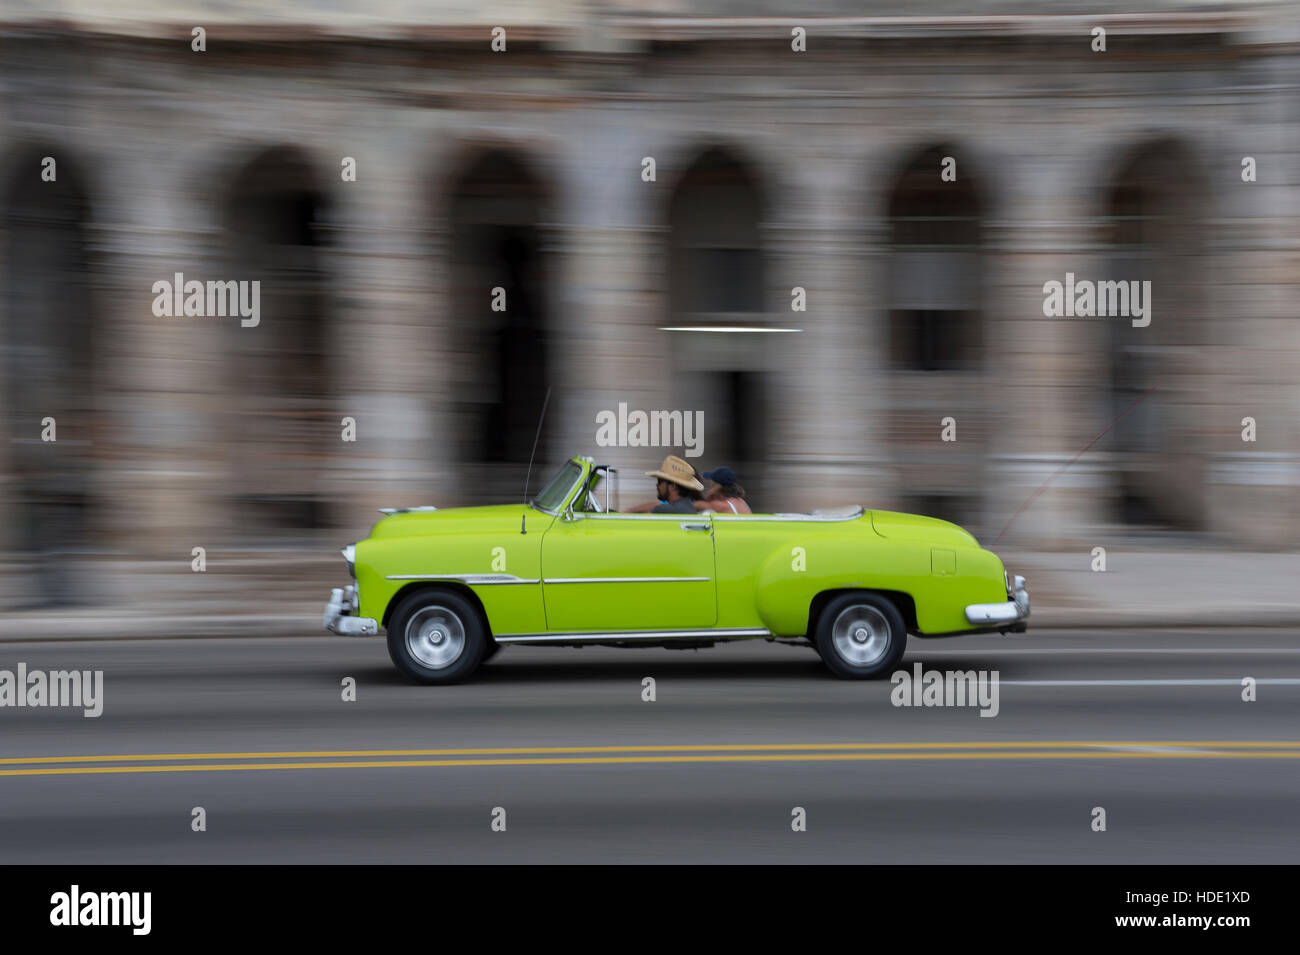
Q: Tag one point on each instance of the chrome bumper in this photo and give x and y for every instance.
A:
(1014, 611)
(339, 615)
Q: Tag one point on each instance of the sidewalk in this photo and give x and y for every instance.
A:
(1151, 588)
(284, 596)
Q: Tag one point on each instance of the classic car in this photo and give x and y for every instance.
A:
(453, 586)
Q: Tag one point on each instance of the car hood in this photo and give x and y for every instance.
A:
(454, 519)
(930, 530)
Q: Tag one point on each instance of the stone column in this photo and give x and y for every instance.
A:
(612, 238)
(1253, 488)
(1047, 374)
(391, 330)
(161, 377)
(830, 440)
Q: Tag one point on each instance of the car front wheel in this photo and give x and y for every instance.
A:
(860, 636)
(437, 637)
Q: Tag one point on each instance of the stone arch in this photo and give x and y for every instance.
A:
(1152, 230)
(717, 268)
(499, 212)
(935, 290)
(283, 425)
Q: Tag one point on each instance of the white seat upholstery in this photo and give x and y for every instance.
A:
(840, 512)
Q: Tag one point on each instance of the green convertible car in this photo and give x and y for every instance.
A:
(452, 586)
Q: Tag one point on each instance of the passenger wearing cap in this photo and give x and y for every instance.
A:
(677, 486)
(725, 494)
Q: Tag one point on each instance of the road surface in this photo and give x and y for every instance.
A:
(559, 746)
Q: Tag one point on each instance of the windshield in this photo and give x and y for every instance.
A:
(552, 496)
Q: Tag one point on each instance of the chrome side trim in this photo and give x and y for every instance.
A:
(592, 516)
(609, 635)
(814, 518)
(836, 518)
(467, 578)
(621, 580)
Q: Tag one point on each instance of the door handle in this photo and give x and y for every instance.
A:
(694, 527)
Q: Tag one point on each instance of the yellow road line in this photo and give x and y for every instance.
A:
(648, 759)
(707, 748)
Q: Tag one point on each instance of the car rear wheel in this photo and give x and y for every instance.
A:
(860, 636)
(437, 637)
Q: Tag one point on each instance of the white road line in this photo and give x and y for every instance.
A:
(1157, 749)
(1234, 681)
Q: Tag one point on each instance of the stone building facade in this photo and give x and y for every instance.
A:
(526, 170)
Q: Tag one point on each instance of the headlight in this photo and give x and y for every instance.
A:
(350, 555)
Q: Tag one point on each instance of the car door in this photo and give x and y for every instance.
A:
(627, 572)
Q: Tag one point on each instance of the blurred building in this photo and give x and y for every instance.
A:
(525, 170)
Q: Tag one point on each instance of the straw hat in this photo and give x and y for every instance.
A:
(679, 472)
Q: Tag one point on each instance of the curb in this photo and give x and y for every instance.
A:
(1182, 620)
(161, 627)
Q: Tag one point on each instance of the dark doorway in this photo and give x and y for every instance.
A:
(717, 279)
(49, 346)
(284, 425)
(1150, 232)
(501, 343)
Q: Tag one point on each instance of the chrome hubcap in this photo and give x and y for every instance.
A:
(860, 635)
(435, 637)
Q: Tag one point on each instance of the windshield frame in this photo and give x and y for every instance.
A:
(577, 473)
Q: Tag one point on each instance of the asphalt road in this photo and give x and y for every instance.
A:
(710, 771)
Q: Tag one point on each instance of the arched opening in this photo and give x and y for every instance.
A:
(284, 425)
(717, 279)
(49, 344)
(935, 286)
(1150, 233)
(935, 295)
(501, 268)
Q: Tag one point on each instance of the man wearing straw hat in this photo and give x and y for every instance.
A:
(677, 486)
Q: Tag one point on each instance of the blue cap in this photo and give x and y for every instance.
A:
(723, 475)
